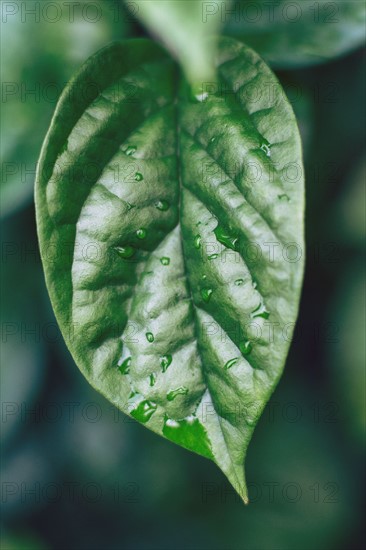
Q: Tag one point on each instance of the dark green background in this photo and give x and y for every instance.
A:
(100, 480)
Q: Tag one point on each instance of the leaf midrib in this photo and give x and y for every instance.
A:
(195, 317)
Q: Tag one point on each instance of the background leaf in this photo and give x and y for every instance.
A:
(30, 90)
(293, 34)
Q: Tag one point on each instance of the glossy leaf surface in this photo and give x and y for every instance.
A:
(171, 233)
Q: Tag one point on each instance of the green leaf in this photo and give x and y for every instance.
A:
(292, 34)
(183, 26)
(171, 233)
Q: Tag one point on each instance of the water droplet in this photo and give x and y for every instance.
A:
(245, 347)
(131, 149)
(139, 176)
(206, 294)
(212, 139)
(284, 197)
(197, 241)
(204, 277)
(231, 363)
(202, 96)
(188, 433)
(212, 256)
(150, 337)
(165, 361)
(266, 148)
(152, 379)
(141, 233)
(260, 311)
(125, 252)
(141, 409)
(162, 205)
(197, 93)
(124, 368)
(230, 241)
(172, 394)
(165, 260)
(239, 282)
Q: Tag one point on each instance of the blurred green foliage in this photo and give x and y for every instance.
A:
(132, 489)
(41, 49)
(295, 34)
